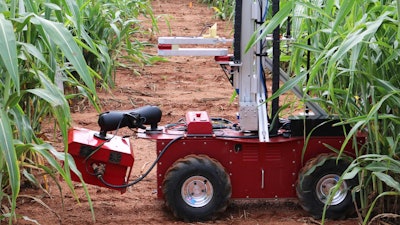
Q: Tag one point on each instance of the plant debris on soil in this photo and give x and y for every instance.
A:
(177, 86)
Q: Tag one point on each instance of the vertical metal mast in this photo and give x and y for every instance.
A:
(248, 68)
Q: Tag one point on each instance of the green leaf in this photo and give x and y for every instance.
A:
(388, 180)
(289, 85)
(278, 18)
(383, 166)
(8, 152)
(52, 6)
(32, 50)
(22, 124)
(74, 10)
(345, 8)
(13, 100)
(63, 38)
(356, 37)
(372, 206)
(69, 163)
(52, 94)
(45, 150)
(398, 19)
(351, 174)
(48, 96)
(8, 54)
(3, 6)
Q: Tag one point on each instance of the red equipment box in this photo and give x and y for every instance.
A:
(198, 122)
(116, 153)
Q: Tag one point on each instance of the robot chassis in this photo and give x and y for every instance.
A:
(204, 162)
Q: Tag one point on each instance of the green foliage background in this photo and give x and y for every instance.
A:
(354, 73)
(46, 45)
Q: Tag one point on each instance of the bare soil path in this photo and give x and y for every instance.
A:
(177, 86)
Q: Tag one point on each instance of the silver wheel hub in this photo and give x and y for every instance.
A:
(197, 191)
(327, 184)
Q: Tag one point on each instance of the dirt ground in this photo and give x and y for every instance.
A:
(176, 86)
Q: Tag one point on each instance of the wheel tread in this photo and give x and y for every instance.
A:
(195, 161)
(306, 173)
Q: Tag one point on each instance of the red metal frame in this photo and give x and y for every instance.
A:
(116, 154)
(256, 169)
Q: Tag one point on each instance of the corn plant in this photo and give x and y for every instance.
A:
(224, 9)
(44, 46)
(24, 83)
(354, 73)
(114, 28)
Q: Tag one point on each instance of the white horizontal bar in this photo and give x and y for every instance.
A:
(194, 52)
(192, 40)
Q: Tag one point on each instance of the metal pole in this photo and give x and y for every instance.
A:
(275, 70)
(237, 56)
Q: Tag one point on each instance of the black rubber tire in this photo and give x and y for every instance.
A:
(187, 173)
(317, 175)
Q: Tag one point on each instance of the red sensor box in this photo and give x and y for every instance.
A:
(116, 154)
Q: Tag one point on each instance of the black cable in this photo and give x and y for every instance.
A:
(145, 174)
(102, 170)
(261, 55)
(100, 176)
(97, 148)
(226, 72)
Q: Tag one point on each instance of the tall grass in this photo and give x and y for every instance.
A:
(44, 46)
(355, 74)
